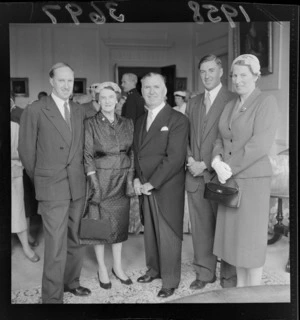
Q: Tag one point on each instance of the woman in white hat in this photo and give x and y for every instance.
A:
(247, 129)
(180, 102)
(109, 165)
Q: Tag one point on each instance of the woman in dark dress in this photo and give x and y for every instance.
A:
(108, 162)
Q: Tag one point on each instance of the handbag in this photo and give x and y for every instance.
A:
(92, 227)
(227, 194)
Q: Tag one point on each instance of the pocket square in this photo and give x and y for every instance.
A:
(164, 129)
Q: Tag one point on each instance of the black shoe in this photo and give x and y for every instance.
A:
(165, 293)
(199, 284)
(79, 291)
(146, 279)
(128, 281)
(228, 283)
(102, 284)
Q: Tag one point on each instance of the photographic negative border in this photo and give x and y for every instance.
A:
(157, 11)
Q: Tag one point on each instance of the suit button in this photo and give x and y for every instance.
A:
(230, 140)
(61, 148)
(230, 153)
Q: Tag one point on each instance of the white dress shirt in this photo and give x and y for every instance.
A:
(60, 104)
(213, 93)
(154, 112)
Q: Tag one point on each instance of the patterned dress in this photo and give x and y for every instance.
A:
(108, 152)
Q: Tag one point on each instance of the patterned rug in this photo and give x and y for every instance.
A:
(136, 293)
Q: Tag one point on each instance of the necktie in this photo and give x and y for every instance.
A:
(207, 102)
(149, 120)
(67, 115)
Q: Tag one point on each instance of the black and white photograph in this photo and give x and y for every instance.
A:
(153, 158)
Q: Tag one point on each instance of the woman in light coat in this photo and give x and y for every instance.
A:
(247, 129)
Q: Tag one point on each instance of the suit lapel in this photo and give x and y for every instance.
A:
(140, 128)
(160, 120)
(214, 112)
(248, 103)
(53, 114)
(76, 129)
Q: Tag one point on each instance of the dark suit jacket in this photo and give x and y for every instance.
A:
(134, 106)
(160, 159)
(51, 154)
(201, 143)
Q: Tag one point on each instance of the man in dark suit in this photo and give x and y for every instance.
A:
(160, 143)
(204, 112)
(51, 150)
(134, 104)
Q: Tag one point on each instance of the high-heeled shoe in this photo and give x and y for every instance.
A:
(127, 282)
(34, 258)
(102, 284)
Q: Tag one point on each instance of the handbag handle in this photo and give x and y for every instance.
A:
(230, 181)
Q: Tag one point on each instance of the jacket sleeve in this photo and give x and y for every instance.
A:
(28, 139)
(259, 145)
(88, 154)
(175, 156)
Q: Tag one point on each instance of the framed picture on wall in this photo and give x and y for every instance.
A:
(256, 38)
(79, 86)
(180, 84)
(19, 87)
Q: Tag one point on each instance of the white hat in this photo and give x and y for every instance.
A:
(180, 94)
(249, 60)
(103, 85)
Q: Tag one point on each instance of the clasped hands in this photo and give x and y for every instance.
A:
(195, 168)
(140, 188)
(222, 169)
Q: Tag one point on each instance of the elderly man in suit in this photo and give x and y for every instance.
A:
(133, 107)
(204, 112)
(160, 143)
(51, 150)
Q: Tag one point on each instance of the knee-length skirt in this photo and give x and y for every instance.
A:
(242, 233)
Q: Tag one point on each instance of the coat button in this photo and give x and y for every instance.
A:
(230, 153)
(230, 140)
(61, 148)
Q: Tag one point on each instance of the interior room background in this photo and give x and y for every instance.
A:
(96, 52)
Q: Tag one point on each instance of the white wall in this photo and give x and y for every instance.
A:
(94, 51)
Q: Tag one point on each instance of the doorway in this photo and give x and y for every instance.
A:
(169, 73)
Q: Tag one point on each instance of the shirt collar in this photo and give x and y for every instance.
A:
(60, 102)
(156, 110)
(213, 93)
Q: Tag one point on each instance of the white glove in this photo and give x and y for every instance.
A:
(222, 169)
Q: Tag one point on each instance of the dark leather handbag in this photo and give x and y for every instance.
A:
(92, 227)
(227, 194)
